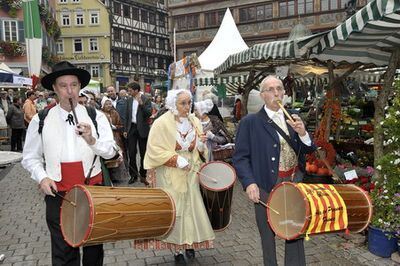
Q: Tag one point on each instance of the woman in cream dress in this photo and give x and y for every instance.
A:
(174, 150)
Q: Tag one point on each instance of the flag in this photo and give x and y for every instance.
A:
(33, 37)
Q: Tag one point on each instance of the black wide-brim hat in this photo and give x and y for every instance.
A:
(65, 68)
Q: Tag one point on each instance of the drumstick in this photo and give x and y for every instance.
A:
(59, 195)
(74, 113)
(209, 177)
(269, 207)
(284, 111)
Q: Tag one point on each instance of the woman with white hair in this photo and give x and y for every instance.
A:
(174, 150)
(214, 129)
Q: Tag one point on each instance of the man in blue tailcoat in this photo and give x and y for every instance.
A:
(264, 157)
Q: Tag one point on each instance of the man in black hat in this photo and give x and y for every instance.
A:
(69, 150)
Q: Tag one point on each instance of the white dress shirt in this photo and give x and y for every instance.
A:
(33, 151)
(272, 114)
(135, 106)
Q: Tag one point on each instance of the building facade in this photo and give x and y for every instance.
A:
(197, 21)
(140, 46)
(85, 36)
(12, 40)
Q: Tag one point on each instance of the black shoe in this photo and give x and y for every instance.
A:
(180, 259)
(132, 180)
(190, 254)
(144, 181)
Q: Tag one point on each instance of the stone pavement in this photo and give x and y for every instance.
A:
(24, 238)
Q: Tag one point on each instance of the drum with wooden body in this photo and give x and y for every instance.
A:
(108, 214)
(289, 209)
(216, 181)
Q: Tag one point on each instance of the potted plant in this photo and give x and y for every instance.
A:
(385, 225)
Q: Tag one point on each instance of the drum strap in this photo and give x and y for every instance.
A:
(264, 115)
(279, 129)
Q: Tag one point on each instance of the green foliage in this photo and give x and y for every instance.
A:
(386, 195)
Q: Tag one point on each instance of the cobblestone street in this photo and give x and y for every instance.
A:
(24, 238)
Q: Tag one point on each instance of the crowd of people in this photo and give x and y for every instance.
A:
(69, 129)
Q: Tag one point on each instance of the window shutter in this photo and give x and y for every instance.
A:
(21, 36)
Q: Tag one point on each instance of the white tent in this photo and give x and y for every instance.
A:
(9, 78)
(227, 41)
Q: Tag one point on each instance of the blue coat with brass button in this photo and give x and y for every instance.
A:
(257, 151)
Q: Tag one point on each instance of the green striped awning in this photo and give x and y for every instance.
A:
(263, 55)
(365, 37)
(367, 78)
(232, 83)
(219, 80)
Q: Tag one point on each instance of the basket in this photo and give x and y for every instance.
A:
(112, 163)
(222, 154)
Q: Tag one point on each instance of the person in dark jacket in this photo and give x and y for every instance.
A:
(136, 129)
(263, 158)
(15, 119)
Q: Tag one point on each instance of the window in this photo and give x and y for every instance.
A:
(125, 58)
(65, 19)
(305, 6)
(286, 9)
(145, 15)
(247, 14)
(117, 8)
(161, 19)
(75, 1)
(152, 18)
(134, 59)
(95, 70)
(79, 20)
(81, 67)
(94, 18)
(127, 11)
(161, 44)
(117, 34)
(78, 47)
(10, 30)
(135, 13)
(62, 1)
(187, 22)
(93, 45)
(264, 12)
(117, 57)
(151, 62)
(152, 42)
(193, 21)
(214, 18)
(143, 60)
(329, 5)
(143, 41)
(60, 46)
(127, 36)
(135, 38)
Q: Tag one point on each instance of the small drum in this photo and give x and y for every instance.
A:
(216, 181)
(295, 210)
(108, 214)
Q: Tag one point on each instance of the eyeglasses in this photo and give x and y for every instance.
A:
(272, 89)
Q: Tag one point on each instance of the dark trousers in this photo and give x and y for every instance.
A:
(294, 249)
(133, 140)
(16, 139)
(61, 252)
